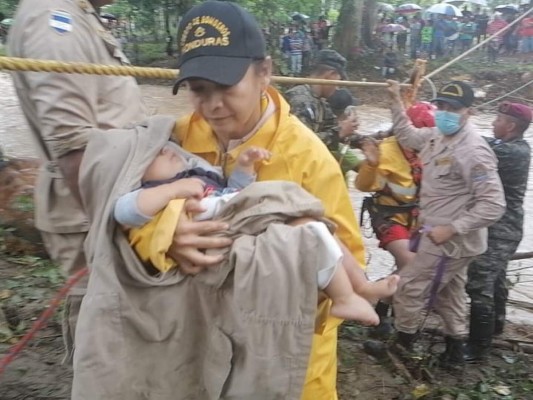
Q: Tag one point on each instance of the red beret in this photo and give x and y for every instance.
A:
(517, 110)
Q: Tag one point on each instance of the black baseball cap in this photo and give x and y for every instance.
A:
(456, 93)
(218, 40)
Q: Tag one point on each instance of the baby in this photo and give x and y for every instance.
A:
(175, 174)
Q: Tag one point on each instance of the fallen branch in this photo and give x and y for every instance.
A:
(513, 344)
(522, 256)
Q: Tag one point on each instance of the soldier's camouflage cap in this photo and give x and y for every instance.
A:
(332, 59)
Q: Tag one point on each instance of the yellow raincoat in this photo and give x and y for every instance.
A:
(298, 155)
(393, 171)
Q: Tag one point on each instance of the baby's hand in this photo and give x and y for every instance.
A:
(188, 188)
(252, 155)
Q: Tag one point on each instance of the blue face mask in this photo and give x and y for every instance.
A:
(448, 122)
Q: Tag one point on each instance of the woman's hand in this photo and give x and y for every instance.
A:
(191, 238)
(371, 151)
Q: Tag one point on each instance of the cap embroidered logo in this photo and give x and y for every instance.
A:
(199, 32)
(452, 90)
(218, 34)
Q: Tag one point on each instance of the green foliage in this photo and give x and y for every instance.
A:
(8, 7)
(24, 202)
(267, 11)
(150, 52)
(26, 293)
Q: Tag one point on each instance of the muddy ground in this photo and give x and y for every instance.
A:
(27, 284)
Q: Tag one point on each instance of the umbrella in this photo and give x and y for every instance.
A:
(299, 16)
(108, 16)
(7, 22)
(408, 8)
(385, 7)
(393, 28)
(476, 2)
(445, 9)
(507, 8)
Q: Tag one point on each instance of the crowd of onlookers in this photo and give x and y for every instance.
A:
(443, 35)
(432, 37)
(299, 42)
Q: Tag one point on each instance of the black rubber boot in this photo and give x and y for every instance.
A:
(382, 309)
(384, 330)
(481, 331)
(375, 348)
(454, 353)
(498, 326)
(405, 340)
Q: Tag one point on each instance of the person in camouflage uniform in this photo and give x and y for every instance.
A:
(487, 274)
(309, 103)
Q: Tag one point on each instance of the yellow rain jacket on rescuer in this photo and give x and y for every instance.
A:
(299, 156)
(392, 180)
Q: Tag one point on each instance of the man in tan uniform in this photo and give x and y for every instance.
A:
(461, 194)
(61, 110)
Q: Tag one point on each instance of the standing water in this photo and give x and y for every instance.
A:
(16, 141)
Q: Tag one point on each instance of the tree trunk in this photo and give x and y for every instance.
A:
(348, 29)
(166, 13)
(326, 6)
(369, 22)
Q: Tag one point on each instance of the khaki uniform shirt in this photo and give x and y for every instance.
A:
(62, 109)
(460, 182)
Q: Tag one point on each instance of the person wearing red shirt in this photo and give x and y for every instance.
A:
(526, 34)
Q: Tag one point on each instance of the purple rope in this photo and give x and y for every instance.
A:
(437, 280)
(414, 242)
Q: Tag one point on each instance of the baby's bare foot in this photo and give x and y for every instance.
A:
(354, 308)
(373, 291)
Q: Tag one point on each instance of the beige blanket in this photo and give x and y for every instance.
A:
(242, 330)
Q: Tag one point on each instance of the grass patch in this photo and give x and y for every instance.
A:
(146, 53)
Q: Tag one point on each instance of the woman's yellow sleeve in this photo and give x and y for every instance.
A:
(152, 241)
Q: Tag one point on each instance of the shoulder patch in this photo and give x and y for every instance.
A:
(479, 173)
(60, 21)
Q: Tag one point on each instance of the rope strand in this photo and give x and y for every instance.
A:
(460, 57)
(29, 64)
(41, 322)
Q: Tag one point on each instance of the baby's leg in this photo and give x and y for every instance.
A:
(346, 303)
(372, 291)
(333, 279)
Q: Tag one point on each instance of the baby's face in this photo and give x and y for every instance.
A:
(167, 164)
